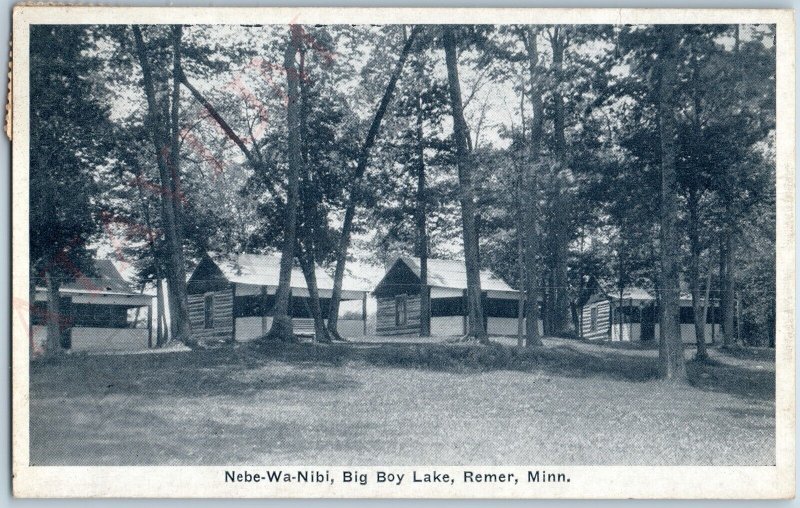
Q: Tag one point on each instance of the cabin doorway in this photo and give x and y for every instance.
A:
(649, 322)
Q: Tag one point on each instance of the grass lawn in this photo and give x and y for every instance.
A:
(400, 404)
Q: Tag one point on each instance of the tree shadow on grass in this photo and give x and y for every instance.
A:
(153, 436)
(564, 360)
(193, 374)
(245, 368)
(731, 379)
(748, 353)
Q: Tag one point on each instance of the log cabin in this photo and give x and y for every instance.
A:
(633, 316)
(398, 297)
(231, 298)
(100, 313)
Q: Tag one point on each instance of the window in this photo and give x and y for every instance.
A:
(450, 306)
(208, 311)
(500, 307)
(400, 315)
(686, 315)
(593, 319)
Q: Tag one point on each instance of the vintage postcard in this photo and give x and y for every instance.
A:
(417, 253)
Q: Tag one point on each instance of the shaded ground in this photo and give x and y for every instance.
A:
(400, 404)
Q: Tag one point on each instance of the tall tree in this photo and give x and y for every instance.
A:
(355, 195)
(476, 327)
(530, 215)
(671, 362)
(68, 140)
(422, 230)
(281, 328)
(310, 220)
(163, 139)
(422, 197)
(558, 301)
(693, 197)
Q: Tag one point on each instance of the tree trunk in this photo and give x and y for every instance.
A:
(671, 361)
(520, 217)
(355, 192)
(559, 319)
(693, 205)
(694, 276)
(162, 337)
(162, 333)
(520, 261)
(306, 248)
(621, 313)
(728, 290)
(54, 318)
(531, 206)
(176, 272)
(422, 232)
(174, 159)
(464, 163)
(308, 265)
(282, 329)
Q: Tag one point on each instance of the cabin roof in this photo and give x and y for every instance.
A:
(447, 273)
(637, 295)
(104, 287)
(264, 270)
(631, 293)
(106, 279)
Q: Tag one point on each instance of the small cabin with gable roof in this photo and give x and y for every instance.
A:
(100, 313)
(398, 296)
(633, 316)
(231, 298)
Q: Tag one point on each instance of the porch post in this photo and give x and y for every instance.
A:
(364, 311)
(466, 310)
(149, 325)
(713, 321)
(738, 323)
(630, 319)
(233, 312)
(264, 310)
(484, 299)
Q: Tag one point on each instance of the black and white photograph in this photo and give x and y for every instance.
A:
(351, 254)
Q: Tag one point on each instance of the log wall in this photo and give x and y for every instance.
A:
(222, 329)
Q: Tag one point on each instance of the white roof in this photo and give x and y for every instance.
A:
(264, 270)
(631, 293)
(446, 273)
(642, 295)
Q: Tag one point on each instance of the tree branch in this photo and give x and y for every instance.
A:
(218, 118)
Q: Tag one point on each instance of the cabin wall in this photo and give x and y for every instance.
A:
(688, 335)
(600, 330)
(222, 326)
(633, 332)
(508, 326)
(350, 327)
(386, 323)
(252, 327)
(501, 326)
(109, 339)
(447, 325)
(638, 318)
(630, 331)
(98, 339)
(447, 315)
